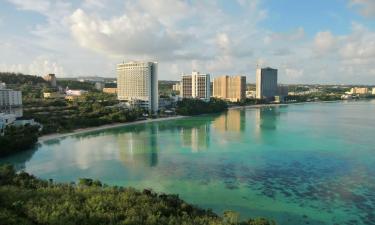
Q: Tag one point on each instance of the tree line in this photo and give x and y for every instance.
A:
(17, 139)
(27, 200)
(190, 106)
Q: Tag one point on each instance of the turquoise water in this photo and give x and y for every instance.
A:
(299, 164)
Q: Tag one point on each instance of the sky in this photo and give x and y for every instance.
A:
(320, 41)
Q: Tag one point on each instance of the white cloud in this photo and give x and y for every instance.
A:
(359, 47)
(39, 66)
(90, 37)
(366, 7)
(293, 73)
(33, 5)
(324, 42)
(130, 34)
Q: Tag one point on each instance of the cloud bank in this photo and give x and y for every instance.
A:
(92, 36)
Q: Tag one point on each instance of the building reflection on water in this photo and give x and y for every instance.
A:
(232, 120)
(139, 148)
(196, 138)
(266, 120)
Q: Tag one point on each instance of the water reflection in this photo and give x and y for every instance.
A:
(19, 160)
(266, 122)
(232, 120)
(140, 147)
(196, 138)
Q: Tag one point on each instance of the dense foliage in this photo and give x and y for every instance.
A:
(76, 85)
(166, 87)
(20, 79)
(27, 200)
(18, 139)
(314, 97)
(89, 110)
(31, 86)
(188, 107)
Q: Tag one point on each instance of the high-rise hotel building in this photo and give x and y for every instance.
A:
(266, 83)
(196, 85)
(231, 88)
(137, 82)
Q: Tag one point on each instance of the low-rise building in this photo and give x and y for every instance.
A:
(5, 120)
(76, 92)
(359, 91)
(167, 102)
(71, 97)
(30, 122)
(373, 91)
(251, 94)
(110, 90)
(53, 95)
(176, 87)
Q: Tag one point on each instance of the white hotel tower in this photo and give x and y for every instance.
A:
(137, 82)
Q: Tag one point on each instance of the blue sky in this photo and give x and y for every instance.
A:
(320, 41)
(314, 16)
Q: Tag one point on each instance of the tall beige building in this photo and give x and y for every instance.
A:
(196, 85)
(231, 88)
(137, 82)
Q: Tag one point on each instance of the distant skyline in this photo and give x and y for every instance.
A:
(320, 41)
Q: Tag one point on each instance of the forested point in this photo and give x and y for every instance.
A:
(18, 139)
(27, 200)
(189, 106)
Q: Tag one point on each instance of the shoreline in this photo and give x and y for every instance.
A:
(116, 125)
(48, 137)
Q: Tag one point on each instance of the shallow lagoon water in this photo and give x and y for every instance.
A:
(298, 164)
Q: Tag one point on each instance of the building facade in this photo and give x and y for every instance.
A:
(51, 78)
(10, 98)
(53, 95)
(138, 82)
(75, 92)
(373, 91)
(186, 86)
(266, 83)
(110, 90)
(177, 87)
(231, 88)
(359, 91)
(196, 85)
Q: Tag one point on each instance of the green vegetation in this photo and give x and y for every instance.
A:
(314, 97)
(166, 87)
(27, 200)
(89, 110)
(76, 85)
(31, 86)
(21, 79)
(18, 139)
(188, 107)
(250, 101)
